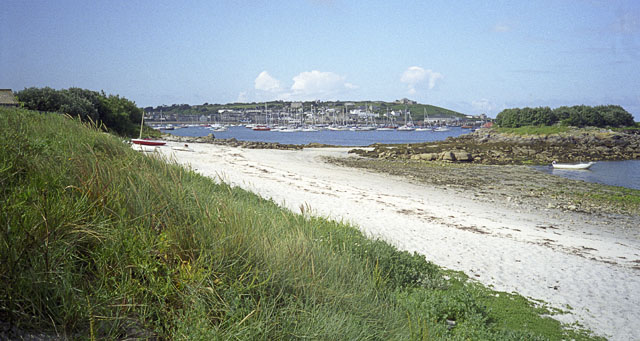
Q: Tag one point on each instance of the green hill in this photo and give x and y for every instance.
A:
(417, 110)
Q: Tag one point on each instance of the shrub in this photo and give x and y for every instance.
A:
(579, 116)
(118, 114)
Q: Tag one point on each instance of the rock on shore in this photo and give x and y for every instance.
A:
(232, 142)
(487, 146)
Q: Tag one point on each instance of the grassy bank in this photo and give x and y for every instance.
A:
(99, 241)
(535, 130)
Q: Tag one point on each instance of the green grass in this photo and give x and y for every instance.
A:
(557, 129)
(633, 128)
(98, 241)
(535, 130)
(623, 197)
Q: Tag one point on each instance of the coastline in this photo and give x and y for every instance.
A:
(492, 147)
(565, 257)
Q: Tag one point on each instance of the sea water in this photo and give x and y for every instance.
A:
(614, 173)
(337, 138)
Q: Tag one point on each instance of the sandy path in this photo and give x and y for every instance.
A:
(567, 260)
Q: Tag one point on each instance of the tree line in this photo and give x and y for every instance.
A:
(118, 114)
(579, 116)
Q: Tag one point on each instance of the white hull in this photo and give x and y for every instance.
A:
(184, 148)
(572, 166)
(145, 148)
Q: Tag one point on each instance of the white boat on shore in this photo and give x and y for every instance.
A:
(184, 148)
(572, 165)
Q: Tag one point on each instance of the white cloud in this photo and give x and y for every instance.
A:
(483, 105)
(350, 86)
(307, 85)
(242, 97)
(265, 82)
(318, 85)
(316, 81)
(415, 75)
(433, 77)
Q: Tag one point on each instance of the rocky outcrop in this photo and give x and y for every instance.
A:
(487, 146)
(232, 142)
(451, 155)
(462, 156)
(189, 139)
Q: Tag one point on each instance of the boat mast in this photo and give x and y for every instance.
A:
(405, 114)
(141, 123)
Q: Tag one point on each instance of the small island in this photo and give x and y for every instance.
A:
(532, 136)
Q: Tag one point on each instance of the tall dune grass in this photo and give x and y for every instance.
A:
(100, 241)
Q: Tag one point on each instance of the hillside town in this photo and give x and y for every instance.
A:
(402, 112)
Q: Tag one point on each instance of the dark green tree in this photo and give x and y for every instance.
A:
(579, 116)
(615, 116)
(118, 114)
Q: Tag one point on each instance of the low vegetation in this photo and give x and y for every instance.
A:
(99, 241)
(113, 113)
(535, 130)
(579, 116)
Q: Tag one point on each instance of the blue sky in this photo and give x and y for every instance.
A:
(470, 56)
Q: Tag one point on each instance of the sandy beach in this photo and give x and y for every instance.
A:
(581, 263)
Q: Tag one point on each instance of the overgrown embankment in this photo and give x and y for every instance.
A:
(99, 241)
(499, 147)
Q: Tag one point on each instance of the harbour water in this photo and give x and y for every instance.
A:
(337, 138)
(614, 173)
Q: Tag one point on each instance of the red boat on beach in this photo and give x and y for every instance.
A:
(145, 142)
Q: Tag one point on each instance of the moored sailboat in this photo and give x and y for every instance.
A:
(146, 142)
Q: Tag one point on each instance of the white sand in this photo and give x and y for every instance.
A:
(567, 260)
